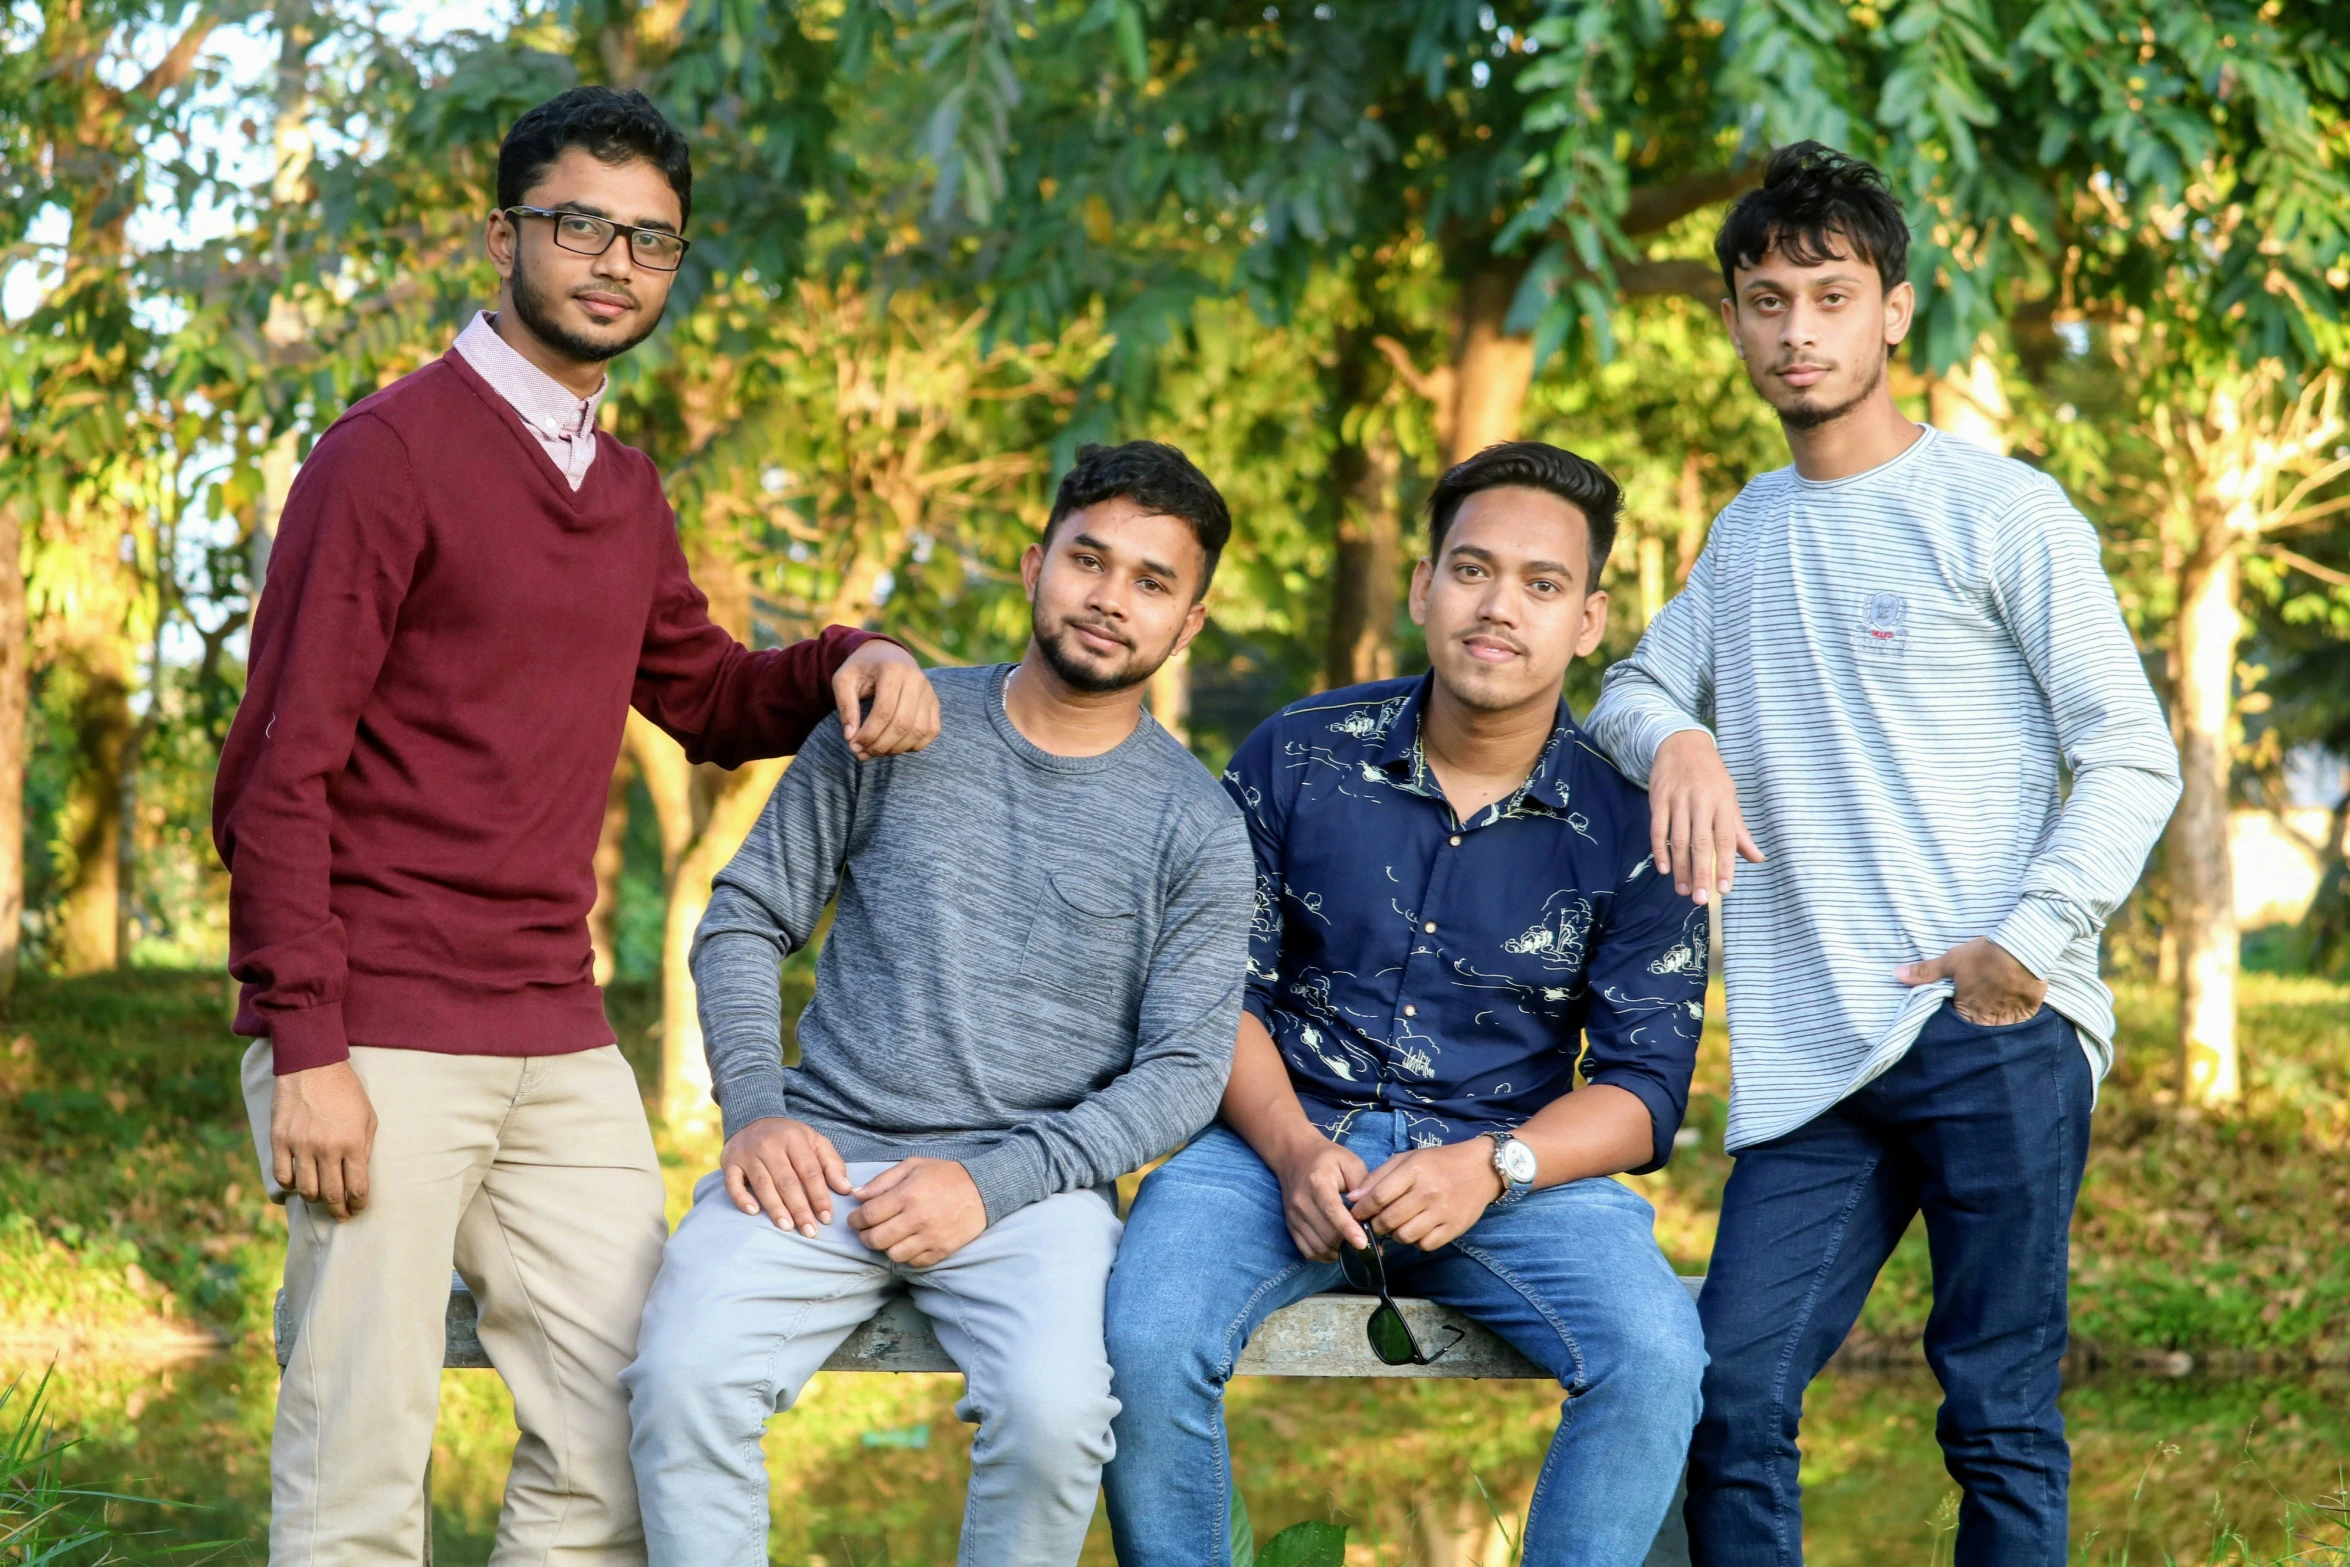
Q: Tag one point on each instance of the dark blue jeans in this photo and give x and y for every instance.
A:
(1983, 1130)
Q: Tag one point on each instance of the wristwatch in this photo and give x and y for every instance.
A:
(1514, 1162)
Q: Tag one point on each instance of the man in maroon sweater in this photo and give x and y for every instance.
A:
(470, 588)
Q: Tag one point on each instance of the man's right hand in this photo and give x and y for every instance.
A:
(785, 1169)
(321, 1135)
(1694, 825)
(1316, 1174)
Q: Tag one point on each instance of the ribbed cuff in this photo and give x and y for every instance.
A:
(751, 1097)
(1009, 1176)
(312, 1037)
(1663, 1119)
(2036, 932)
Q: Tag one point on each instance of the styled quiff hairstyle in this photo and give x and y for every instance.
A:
(1813, 203)
(614, 127)
(1532, 465)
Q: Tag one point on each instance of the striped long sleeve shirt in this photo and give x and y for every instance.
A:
(1898, 667)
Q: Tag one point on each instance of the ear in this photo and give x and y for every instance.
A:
(499, 239)
(1031, 568)
(1594, 629)
(1729, 309)
(1901, 308)
(1194, 619)
(1423, 574)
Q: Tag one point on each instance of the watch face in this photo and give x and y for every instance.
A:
(1517, 1162)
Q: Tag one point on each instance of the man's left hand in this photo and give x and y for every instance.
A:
(1990, 987)
(1429, 1197)
(904, 711)
(919, 1211)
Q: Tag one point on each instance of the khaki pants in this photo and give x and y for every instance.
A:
(536, 1178)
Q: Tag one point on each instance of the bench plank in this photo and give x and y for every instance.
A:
(1318, 1337)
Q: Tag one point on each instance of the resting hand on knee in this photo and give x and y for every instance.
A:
(786, 1169)
(919, 1211)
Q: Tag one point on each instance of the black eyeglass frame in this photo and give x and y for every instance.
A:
(1366, 1269)
(618, 228)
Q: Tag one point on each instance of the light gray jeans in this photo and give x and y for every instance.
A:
(744, 1313)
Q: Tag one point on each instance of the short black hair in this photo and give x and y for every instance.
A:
(615, 127)
(1532, 465)
(1158, 478)
(1811, 197)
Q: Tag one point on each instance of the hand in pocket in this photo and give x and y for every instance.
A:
(1989, 987)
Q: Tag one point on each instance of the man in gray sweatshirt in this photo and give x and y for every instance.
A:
(1031, 986)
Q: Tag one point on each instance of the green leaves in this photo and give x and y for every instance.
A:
(1311, 1544)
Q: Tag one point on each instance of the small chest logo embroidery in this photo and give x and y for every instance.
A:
(1884, 624)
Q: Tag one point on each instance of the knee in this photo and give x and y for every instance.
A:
(684, 1371)
(1158, 1343)
(1661, 1365)
(1053, 1428)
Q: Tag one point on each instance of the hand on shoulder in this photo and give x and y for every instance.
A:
(903, 715)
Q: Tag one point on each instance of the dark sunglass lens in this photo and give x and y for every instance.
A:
(1361, 1268)
(1391, 1339)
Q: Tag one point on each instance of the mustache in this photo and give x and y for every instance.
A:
(1072, 623)
(1506, 640)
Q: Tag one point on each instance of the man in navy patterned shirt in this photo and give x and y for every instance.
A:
(1455, 900)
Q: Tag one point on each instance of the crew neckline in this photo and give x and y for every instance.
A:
(1927, 435)
(1052, 761)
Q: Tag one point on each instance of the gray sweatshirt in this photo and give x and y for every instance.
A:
(1036, 963)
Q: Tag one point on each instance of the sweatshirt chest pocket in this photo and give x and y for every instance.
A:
(1081, 942)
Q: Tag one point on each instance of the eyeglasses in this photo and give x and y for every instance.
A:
(1391, 1337)
(584, 234)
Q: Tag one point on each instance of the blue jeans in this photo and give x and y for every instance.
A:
(1982, 1129)
(1571, 1275)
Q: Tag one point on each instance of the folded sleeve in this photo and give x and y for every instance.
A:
(1646, 987)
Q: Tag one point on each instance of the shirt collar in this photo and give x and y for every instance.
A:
(546, 404)
(1397, 743)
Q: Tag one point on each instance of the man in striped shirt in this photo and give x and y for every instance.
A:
(1882, 663)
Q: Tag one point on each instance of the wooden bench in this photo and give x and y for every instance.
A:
(1318, 1337)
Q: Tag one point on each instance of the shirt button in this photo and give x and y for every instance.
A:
(1454, 840)
(1430, 927)
(1411, 1011)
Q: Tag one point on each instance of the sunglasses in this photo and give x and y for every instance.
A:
(1391, 1337)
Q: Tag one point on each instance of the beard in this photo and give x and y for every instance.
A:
(537, 311)
(1056, 643)
(1805, 414)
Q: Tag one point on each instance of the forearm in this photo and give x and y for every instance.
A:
(1635, 715)
(2090, 863)
(741, 1008)
(1598, 1129)
(1260, 1102)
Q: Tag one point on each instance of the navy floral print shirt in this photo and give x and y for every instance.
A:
(1403, 959)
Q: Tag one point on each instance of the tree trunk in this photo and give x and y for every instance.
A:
(1365, 585)
(1170, 696)
(1491, 365)
(685, 1074)
(13, 740)
(1970, 402)
(611, 858)
(89, 921)
(1652, 577)
(2202, 869)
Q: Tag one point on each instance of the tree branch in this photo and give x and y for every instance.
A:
(175, 65)
(1655, 207)
(1700, 280)
(2340, 579)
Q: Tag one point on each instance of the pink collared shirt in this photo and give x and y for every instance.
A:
(565, 425)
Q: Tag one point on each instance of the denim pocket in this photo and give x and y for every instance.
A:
(1960, 1022)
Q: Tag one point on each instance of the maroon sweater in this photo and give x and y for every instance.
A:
(409, 799)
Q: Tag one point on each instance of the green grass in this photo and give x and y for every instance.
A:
(129, 1206)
